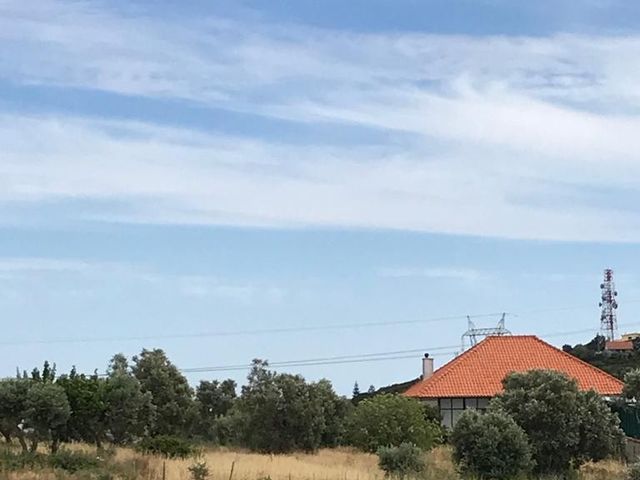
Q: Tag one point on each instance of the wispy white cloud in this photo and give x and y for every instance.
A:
(209, 287)
(494, 128)
(13, 265)
(84, 277)
(438, 273)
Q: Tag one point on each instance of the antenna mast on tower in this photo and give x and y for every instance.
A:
(608, 320)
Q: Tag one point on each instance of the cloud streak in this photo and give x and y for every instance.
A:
(477, 136)
(77, 276)
(437, 273)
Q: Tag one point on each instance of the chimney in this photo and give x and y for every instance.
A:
(427, 366)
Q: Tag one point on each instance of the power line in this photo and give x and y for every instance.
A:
(265, 331)
(367, 357)
(280, 330)
(309, 364)
(332, 360)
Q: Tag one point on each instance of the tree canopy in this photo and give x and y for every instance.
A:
(389, 420)
(565, 426)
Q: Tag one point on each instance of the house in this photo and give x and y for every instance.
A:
(471, 379)
(618, 346)
(630, 336)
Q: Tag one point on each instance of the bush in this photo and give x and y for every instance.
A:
(166, 446)
(401, 461)
(434, 418)
(66, 460)
(389, 420)
(199, 471)
(10, 460)
(73, 461)
(634, 472)
(490, 446)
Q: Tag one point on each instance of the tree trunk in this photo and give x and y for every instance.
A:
(23, 442)
(6, 436)
(55, 445)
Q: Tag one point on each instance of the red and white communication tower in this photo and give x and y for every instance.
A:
(608, 320)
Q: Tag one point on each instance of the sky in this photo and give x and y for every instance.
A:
(293, 180)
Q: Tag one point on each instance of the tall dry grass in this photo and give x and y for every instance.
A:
(335, 464)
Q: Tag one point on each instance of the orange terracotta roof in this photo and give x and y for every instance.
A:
(619, 345)
(479, 371)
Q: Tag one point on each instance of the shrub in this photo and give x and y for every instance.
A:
(434, 418)
(66, 460)
(166, 446)
(490, 446)
(389, 420)
(199, 471)
(600, 433)
(73, 461)
(634, 472)
(10, 460)
(401, 461)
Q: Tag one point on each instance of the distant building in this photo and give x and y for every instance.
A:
(631, 336)
(470, 380)
(618, 346)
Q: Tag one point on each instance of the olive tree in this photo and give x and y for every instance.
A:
(128, 411)
(170, 392)
(389, 420)
(282, 412)
(46, 414)
(565, 426)
(213, 401)
(13, 400)
(88, 408)
(490, 446)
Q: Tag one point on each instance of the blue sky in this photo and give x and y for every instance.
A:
(185, 169)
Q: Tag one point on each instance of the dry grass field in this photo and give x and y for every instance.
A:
(324, 465)
(337, 464)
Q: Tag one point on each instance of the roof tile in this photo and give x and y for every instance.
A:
(479, 371)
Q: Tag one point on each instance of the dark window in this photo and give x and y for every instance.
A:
(452, 408)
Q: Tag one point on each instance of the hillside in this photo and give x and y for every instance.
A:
(615, 363)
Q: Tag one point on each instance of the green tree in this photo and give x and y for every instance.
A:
(118, 364)
(335, 409)
(490, 446)
(389, 420)
(171, 394)
(213, 400)
(554, 414)
(600, 433)
(88, 408)
(46, 414)
(356, 391)
(632, 384)
(13, 400)
(48, 373)
(129, 412)
(282, 412)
